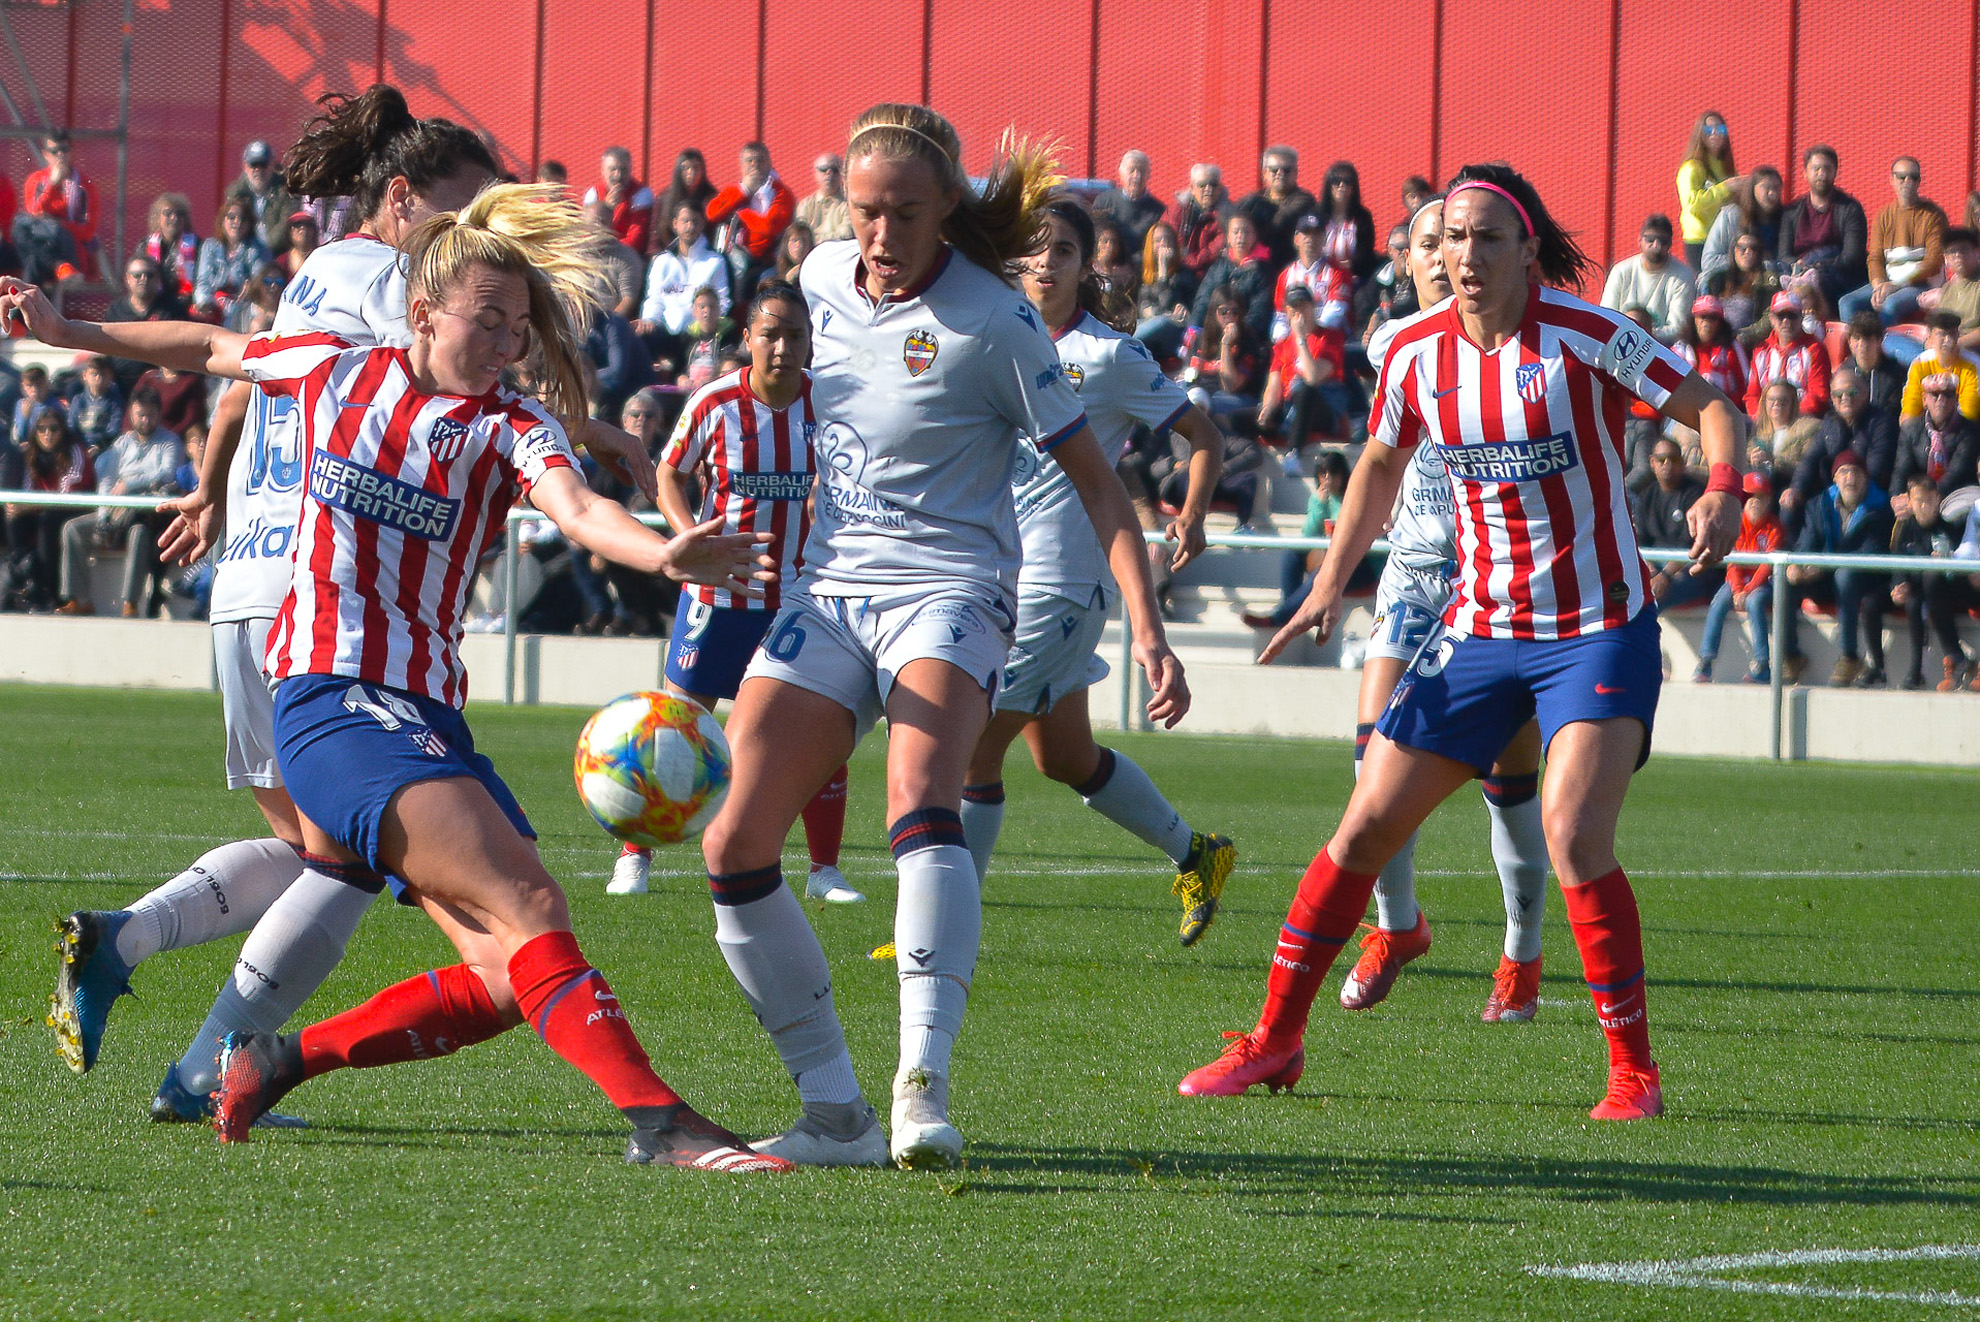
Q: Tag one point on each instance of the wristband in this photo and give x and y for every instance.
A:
(1725, 478)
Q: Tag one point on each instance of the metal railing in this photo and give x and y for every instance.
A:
(1779, 561)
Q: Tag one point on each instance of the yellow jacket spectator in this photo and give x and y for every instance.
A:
(1942, 357)
(1705, 182)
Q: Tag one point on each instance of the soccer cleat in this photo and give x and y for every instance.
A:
(1383, 954)
(924, 1140)
(830, 1134)
(630, 871)
(1633, 1095)
(256, 1069)
(693, 1141)
(1515, 997)
(881, 952)
(88, 982)
(174, 1104)
(827, 883)
(1200, 882)
(1247, 1060)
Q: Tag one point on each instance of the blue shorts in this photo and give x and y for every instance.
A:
(1465, 698)
(712, 645)
(345, 748)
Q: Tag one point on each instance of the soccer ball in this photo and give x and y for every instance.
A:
(652, 768)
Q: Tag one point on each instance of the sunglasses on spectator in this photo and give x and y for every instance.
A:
(1715, 130)
(1278, 169)
(826, 169)
(1904, 174)
(54, 149)
(1850, 392)
(140, 273)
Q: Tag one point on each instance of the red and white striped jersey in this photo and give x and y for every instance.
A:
(1532, 438)
(403, 492)
(759, 462)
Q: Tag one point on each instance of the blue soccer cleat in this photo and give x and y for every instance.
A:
(88, 982)
(176, 1104)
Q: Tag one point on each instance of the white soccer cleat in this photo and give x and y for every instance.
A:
(924, 1140)
(629, 873)
(812, 1141)
(829, 884)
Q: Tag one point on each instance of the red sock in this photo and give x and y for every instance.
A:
(435, 1014)
(1603, 915)
(1324, 915)
(568, 1003)
(825, 821)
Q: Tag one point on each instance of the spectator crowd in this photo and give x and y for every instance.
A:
(1848, 331)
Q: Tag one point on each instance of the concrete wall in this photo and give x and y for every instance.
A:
(1231, 697)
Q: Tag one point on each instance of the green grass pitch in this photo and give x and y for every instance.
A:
(1815, 1002)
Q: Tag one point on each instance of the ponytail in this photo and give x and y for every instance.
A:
(993, 228)
(1560, 260)
(358, 145)
(536, 232)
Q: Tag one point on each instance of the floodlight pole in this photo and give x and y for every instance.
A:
(1778, 626)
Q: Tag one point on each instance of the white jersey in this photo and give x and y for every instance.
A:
(354, 289)
(1423, 526)
(921, 398)
(1119, 385)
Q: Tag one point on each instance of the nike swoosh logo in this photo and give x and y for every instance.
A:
(1439, 394)
(1611, 1009)
(1606, 689)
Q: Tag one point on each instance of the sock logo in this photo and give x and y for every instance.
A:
(822, 992)
(259, 976)
(921, 956)
(596, 1015)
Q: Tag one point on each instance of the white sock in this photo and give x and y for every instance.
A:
(830, 1082)
(1395, 885)
(223, 894)
(1519, 849)
(1129, 799)
(983, 822)
(778, 963)
(938, 926)
(284, 960)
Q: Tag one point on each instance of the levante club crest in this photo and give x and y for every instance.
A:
(919, 352)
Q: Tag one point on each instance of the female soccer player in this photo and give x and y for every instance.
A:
(927, 369)
(1063, 585)
(1524, 389)
(752, 431)
(412, 458)
(399, 171)
(1415, 588)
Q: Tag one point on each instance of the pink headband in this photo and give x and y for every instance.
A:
(1524, 219)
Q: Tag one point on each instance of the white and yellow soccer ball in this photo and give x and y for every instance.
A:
(653, 769)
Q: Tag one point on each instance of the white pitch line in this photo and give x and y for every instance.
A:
(1703, 1273)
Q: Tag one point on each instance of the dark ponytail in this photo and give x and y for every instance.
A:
(1097, 296)
(358, 145)
(1561, 261)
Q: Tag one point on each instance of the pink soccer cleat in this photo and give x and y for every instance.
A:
(1633, 1095)
(1247, 1060)
(1515, 997)
(1383, 954)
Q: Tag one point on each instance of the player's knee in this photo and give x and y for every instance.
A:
(1068, 767)
(1578, 854)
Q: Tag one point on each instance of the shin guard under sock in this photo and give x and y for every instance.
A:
(422, 1018)
(569, 1005)
(1610, 937)
(825, 821)
(1324, 914)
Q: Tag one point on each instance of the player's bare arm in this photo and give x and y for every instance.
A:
(701, 554)
(1107, 504)
(1371, 494)
(199, 517)
(1721, 428)
(186, 346)
(621, 453)
(1206, 465)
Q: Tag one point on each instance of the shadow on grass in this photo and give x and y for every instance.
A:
(1420, 969)
(1277, 1174)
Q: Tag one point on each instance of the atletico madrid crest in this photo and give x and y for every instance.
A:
(1531, 378)
(919, 352)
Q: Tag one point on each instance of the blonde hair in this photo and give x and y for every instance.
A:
(994, 228)
(536, 232)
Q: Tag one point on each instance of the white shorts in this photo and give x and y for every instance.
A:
(238, 649)
(1053, 654)
(1409, 601)
(850, 648)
